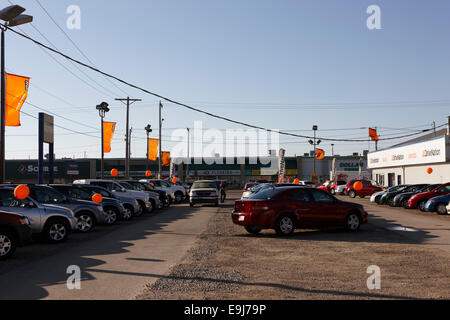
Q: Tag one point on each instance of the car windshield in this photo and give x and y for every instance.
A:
(126, 185)
(204, 184)
(257, 188)
(266, 194)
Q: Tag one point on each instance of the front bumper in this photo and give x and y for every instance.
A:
(24, 234)
(73, 223)
(430, 206)
(199, 199)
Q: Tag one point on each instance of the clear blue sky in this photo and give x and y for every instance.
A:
(269, 63)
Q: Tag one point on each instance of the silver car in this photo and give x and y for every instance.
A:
(53, 222)
(142, 198)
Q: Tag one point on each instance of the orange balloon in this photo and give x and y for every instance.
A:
(296, 181)
(429, 170)
(21, 192)
(114, 172)
(97, 198)
(175, 179)
(148, 173)
(357, 185)
(280, 181)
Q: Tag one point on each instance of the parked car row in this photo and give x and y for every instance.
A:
(53, 212)
(425, 197)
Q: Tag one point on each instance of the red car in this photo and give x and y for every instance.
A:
(287, 208)
(14, 231)
(419, 200)
(367, 190)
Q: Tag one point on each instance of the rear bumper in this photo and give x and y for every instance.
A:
(241, 218)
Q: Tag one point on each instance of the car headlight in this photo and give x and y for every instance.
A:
(24, 220)
(413, 197)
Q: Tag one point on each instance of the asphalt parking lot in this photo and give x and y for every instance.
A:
(198, 253)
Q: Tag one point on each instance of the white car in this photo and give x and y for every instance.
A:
(448, 208)
(340, 189)
(379, 193)
(176, 193)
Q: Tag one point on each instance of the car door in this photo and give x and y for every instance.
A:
(26, 207)
(326, 210)
(303, 208)
(445, 189)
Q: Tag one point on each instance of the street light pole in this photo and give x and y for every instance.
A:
(12, 16)
(188, 156)
(102, 110)
(160, 142)
(148, 129)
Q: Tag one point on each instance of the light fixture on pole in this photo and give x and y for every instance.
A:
(102, 110)
(314, 143)
(332, 149)
(12, 16)
(148, 129)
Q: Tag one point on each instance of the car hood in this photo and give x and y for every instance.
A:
(54, 208)
(352, 204)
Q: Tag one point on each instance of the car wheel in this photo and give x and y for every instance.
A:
(441, 209)
(253, 229)
(111, 215)
(352, 194)
(284, 225)
(422, 205)
(141, 211)
(178, 197)
(56, 231)
(405, 203)
(390, 202)
(152, 206)
(352, 222)
(85, 222)
(7, 245)
(128, 213)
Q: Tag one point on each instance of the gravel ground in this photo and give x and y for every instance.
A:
(228, 263)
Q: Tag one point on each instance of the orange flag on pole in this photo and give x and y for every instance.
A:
(373, 134)
(16, 94)
(108, 132)
(165, 159)
(152, 149)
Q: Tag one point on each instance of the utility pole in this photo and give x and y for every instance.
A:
(188, 156)
(129, 144)
(160, 142)
(434, 128)
(128, 102)
(332, 149)
(314, 143)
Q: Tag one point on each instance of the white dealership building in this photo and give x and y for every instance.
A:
(408, 163)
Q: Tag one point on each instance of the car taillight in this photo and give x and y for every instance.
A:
(261, 206)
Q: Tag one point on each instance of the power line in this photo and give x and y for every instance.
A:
(196, 109)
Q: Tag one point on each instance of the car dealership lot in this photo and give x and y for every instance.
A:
(197, 253)
(229, 263)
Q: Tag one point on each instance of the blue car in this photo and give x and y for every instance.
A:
(438, 204)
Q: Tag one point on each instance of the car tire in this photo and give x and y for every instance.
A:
(253, 229)
(421, 205)
(352, 194)
(178, 197)
(140, 212)
(441, 209)
(352, 222)
(153, 206)
(85, 222)
(285, 225)
(405, 203)
(390, 202)
(56, 231)
(8, 244)
(129, 213)
(111, 215)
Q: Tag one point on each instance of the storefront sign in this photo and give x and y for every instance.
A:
(430, 151)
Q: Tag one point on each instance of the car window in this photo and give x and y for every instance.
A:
(165, 184)
(301, 195)
(156, 183)
(204, 184)
(444, 189)
(6, 197)
(104, 193)
(266, 194)
(77, 193)
(365, 183)
(320, 196)
(106, 185)
(46, 195)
